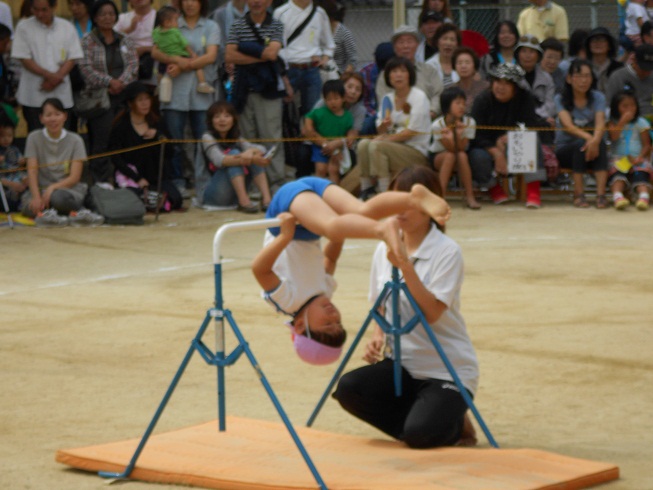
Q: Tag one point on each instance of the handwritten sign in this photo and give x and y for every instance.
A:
(522, 152)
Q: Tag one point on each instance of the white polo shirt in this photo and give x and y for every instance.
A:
(439, 264)
(49, 46)
(315, 39)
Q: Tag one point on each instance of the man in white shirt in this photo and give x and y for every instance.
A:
(307, 50)
(47, 47)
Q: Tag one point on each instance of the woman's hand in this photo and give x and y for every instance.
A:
(47, 194)
(375, 347)
(173, 70)
(591, 149)
(36, 205)
(385, 125)
(330, 147)
(116, 86)
(149, 133)
(143, 183)
(260, 160)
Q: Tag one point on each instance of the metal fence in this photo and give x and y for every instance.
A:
(372, 23)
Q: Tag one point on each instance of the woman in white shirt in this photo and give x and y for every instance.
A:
(403, 125)
(431, 410)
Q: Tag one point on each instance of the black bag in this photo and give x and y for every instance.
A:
(298, 155)
(118, 206)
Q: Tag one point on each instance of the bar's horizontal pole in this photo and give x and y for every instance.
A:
(256, 224)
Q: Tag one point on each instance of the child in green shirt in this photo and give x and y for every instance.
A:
(330, 128)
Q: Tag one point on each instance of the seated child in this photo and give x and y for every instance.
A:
(168, 38)
(330, 121)
(631, 151)
(449, 146)
(297, 277)
(12, 164)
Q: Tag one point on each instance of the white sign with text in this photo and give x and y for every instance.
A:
(522, 152)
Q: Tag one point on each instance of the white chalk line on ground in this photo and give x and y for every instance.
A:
(110, 277)
(350, 246)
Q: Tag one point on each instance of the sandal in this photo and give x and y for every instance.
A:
(472, 204)
(601, 201)
(580, 201)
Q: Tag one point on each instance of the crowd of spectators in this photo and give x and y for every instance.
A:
(123, 80)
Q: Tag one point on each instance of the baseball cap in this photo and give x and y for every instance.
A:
(430, 15)
(644, 56)
(311, 351)
(403, 30)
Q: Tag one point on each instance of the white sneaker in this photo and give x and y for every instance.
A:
(85, 217)
(51, 219)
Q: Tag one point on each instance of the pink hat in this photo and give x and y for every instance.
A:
(311, 351)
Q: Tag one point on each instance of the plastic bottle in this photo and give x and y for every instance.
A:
(165, 89)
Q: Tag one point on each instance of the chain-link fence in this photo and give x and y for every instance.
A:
(372, 23)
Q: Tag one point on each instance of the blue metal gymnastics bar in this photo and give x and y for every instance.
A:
(219, 358)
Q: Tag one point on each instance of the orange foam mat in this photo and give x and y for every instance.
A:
(260, 455)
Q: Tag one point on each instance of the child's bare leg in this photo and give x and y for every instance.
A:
(261, 181)
(334, 170)
(388, 203)
(202, 86)
(465, 174)
(238, 183)
(315, 214)
(444, 163)
(579, 184)
(601, 177)
(618, 186)
(321, 169)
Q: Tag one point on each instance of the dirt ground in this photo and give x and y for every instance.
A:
(96, 321)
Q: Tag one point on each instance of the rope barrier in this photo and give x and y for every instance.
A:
(268, 140)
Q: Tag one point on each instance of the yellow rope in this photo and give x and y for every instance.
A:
(262, 140)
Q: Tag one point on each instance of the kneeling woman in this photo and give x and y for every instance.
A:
(431, 411)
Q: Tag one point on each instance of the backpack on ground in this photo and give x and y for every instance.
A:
(118, 206)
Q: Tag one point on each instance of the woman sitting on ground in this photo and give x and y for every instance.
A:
(138, 169)
(404, 125)
(55, 160)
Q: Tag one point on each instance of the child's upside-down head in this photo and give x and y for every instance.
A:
(318, 334)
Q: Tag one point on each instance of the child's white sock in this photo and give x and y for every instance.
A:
(644, 195)
(384, 183)
(366, 183)
(617, 195)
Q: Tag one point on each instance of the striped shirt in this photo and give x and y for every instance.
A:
(271, 29)
(345, 53)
